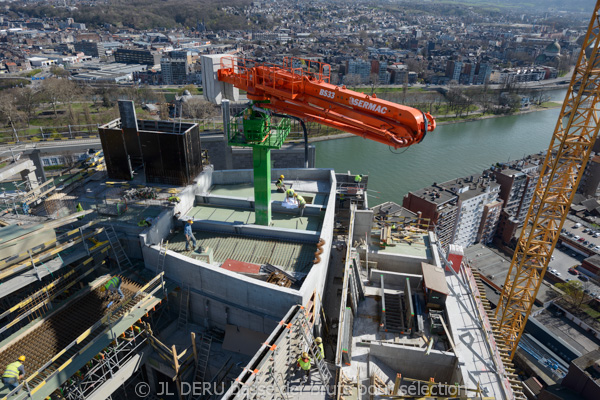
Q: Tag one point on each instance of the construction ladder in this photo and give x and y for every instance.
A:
(309, 340)
(162, 255)
(183, 307)
(122, 260)
(202, 365)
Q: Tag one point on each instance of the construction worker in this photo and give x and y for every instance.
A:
(79, 209)
(280, 185)
(289, 193)
(174, 199)
(321, 353)
(13, 373)
(342, 199)
(189, 236)
(112, 286)
(304, 363)
(301, 203)
(358, 180)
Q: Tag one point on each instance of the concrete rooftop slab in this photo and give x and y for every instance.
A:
(474, 355)
(244, 216)
(290, 256)
(418, 248)
(314, 190)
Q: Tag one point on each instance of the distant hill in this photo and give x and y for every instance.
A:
(147, 14)
(539, 5)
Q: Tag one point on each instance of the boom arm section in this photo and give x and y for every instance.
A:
(302, 88)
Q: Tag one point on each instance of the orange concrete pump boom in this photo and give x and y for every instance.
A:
(302, 88)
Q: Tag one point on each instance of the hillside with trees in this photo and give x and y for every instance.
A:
(146, 14)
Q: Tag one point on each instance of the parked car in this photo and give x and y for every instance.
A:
(584, 278)
(577, 225)
(586, 230)
(580, 239)
(576, 237)
(573, 271)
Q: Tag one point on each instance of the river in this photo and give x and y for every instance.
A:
(451, 151)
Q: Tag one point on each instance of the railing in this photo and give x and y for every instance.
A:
(109, 362)
(149, 289)
(42, 133)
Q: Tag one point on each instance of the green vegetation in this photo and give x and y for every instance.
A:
(590, 311)
(31, 73)
(395, 89)
(54, 167)
(13, 82)
(550, 104)
(147, 14)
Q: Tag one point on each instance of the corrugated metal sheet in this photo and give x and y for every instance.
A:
(290, 256)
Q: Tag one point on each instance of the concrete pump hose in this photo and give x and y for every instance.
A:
(400, 142)
(319, 252)
(321, 243)
(317, 259)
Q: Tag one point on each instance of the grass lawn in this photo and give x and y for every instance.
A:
(398, 89)
(548, 104)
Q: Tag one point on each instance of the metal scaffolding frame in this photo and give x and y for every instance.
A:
(100, 370)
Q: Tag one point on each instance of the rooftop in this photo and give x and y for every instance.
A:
(290, 256)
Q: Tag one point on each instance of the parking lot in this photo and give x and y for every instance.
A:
(564, 258)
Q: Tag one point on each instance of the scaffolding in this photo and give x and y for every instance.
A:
(102, 368)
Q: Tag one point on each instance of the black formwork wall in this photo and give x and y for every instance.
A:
(132, 144)
(171, 158)
(115, 154)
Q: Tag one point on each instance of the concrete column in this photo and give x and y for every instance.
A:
(226, 121)
(31, 178)
(36, 157)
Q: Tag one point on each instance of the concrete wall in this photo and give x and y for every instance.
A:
(159, 230)
(219, 152)
(363, 223)
(413, 363)
(396, 262)
(394, 280)
(232, 298)
(316, 277)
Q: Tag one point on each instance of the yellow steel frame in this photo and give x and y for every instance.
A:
(570, 147)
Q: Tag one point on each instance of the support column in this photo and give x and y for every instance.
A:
(226, 121)
(261, 158)
(36, 157)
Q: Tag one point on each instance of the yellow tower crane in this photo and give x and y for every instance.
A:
(569, 151)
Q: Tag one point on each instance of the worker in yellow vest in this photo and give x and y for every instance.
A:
(113, 286)
(289, 194)
(13, 373)
(301, 203)
(280, 185)
(304, 363)
(321, 353)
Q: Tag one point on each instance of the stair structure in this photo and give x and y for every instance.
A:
(309, 342)
(122, 260)
(182, 320)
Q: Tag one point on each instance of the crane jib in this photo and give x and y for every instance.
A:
(367, 105)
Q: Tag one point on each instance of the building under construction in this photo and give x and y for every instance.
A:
(234, 317)
(400, 315)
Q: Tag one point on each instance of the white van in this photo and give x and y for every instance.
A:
(577, 225)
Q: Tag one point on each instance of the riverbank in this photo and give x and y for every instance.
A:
(475, 117)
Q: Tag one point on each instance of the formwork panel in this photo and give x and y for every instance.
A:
(115, 154)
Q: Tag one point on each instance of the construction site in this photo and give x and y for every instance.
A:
(149, 273)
